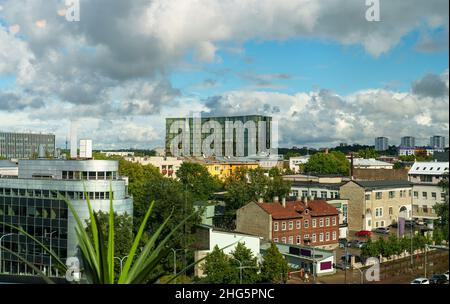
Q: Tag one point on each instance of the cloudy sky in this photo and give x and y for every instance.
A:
(318, 66)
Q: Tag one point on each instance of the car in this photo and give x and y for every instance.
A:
(342, 265)
(420, 281)
(360, 244)
(382, 230)
(446, 275)
(438, 279)
(363, 233)
(352, 243)
(343, 243)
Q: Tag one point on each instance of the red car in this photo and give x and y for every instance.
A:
(363, 233)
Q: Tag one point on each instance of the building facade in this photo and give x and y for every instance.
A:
(167, 166)
(437, 142)
(296, 162)
(381, 143)
(218, 136)
(8, 168)
(25, 145)
(224, 167)
(35, 201)
(314, 223)
(408, 142)
(373, 204)
(371, 163)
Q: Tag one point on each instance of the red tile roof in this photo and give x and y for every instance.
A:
(295, 209)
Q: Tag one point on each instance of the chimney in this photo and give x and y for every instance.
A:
(351, 166)
(283, 202)
(275, 199)
(306, 201)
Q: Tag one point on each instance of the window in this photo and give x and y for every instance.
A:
(391, 194)
(283, 226)
(291, 239)
(367, 197)
(275, 226)
(321, 237)
(378, 195)
(291, 225)
(442, 196)
(378, 212)
(297, 224)
(306, 223)
(323, 194)
(283, 240)
(334, 221)
(425, 208)
(298, 240)
(295, 193)
(321, 222)
(327, 236)
(382, 223)
(314, 194)
(424, 194)
(433, 195)
(334, 235)
(304, 193)
(314, 223)
(376, 224)
(314, 238)
(306, 237)
(416, 194)
(327, 222)
(275, 240)
(409, 193)
(391, 211)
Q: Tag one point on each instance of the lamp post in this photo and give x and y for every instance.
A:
(121, 262)
(240, 269)
(362, 275)
(50, 235)
(1, 257)
(175, 260)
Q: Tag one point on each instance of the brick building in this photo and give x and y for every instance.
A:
(314, 223)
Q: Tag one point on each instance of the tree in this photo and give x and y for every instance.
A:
(370, 249)
(442, 210)
(197, 180)
(123, 235)
(274, 268)
(245, 256)
(368, 153)
(218, 269)
(328, 163)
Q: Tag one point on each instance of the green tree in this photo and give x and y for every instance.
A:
(274, 268)
(245, 256)
(442, 210)
(368, 153)
(123, 235)
(398, 165)
(218, 269)
(370, 249)
(197, 180)
(328, 163)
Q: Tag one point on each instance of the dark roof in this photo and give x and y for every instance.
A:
(295, 209)
(383, 184)
(332, 186)
(441, 156)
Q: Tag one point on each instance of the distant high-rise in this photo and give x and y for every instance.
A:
(381, 143)
(25, 145)
(408, 142)
(437, 142)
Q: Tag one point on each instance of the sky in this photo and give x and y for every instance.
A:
(318, 67)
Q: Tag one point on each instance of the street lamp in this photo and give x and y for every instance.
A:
(240, 269)
(175, 260)
(362, 275)
(121, 262)
(50, 235)
(1, 257)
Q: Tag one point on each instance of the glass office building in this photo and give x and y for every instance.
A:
(218, 136)
(34, 202)
(25, 145)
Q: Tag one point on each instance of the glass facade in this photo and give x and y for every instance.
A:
(25, 145)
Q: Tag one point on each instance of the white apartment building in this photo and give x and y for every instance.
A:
(295, 162)
(371, 163)
(168, 166)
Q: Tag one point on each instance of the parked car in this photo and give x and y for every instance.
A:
(446, 275)
(438, 279)
(363, 233)
(360, 244)
(420, 281)
(382, 230)
(342, 265)
(352, 243)
(343, 243)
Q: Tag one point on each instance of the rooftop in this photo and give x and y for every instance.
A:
(369, 162)
(313, 184)
(429, 168)
(295, 209)
(383, 184)
(7, 164)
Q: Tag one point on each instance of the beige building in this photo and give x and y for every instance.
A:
(168, 166)
(373, 204)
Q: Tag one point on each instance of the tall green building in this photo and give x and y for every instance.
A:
(218, 136)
